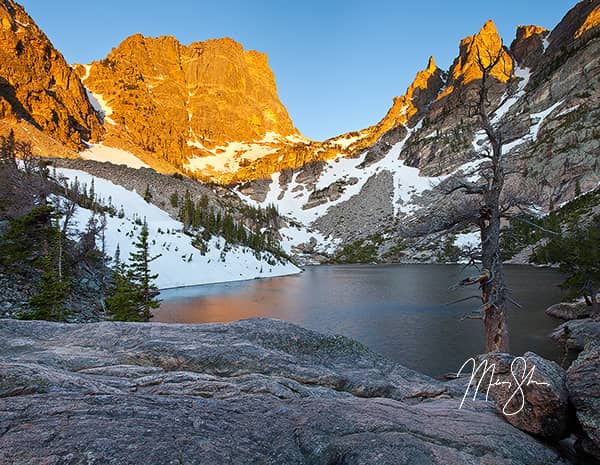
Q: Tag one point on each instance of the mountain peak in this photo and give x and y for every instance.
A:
(489, 27)
(431, 66)
(528, 46)
(525, 32)
(485, 44)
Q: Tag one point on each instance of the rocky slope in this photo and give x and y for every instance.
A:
(38, 87)
(254, 391)
(544, 99)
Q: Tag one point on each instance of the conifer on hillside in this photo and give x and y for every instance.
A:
(122, 295)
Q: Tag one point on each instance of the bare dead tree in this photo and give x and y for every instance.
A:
(491, 279)
(67, 209)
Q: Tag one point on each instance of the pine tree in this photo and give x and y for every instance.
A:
(92, 194)
(148, 194)
(25, 238)
(122, 296)
(54, 285)
(139, 273)
(174, 199)
(578, 255)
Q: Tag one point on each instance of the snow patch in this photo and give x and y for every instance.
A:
(174, 266)
(545, 44)
(537, 120)
(103, 153)
(407, 183)
(346, 141)
(468, 240)
(524, 74)
(228, 158)
(96, 100)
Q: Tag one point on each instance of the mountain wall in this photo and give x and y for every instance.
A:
(176, 101)
(37, 86)
(211, 110)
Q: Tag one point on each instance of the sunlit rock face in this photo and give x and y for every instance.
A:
(178, 101)
(37, 86)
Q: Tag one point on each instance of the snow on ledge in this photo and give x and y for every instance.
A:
(103, 153)
(174, 266)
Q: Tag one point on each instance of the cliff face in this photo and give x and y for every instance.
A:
(37, 85)
(177, 101)
(404, 112)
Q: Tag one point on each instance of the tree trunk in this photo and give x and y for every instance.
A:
(493, 290)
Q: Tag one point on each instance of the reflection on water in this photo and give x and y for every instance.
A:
(397, 310)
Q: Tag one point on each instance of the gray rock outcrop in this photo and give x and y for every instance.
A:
(583, 381)
(570, 310)
(255, 391)
(575, 334)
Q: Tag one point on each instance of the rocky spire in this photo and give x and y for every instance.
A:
(421, 92)
(528, 46)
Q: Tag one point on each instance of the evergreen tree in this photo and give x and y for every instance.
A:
(122, 298)
(174, 199)
(578, 256)
(148, 194)
(54, 285)
(140, 275)
(25, 239)
(92, 199)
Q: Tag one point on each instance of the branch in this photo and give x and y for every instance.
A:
(514, 302)
(463, 300)
(537, 226)
(482, 278)
(471, 317)
(468, 188)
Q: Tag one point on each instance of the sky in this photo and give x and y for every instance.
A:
(337, 64)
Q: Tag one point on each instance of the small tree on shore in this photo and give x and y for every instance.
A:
(133, 294)
(122, 295)
(139, 271)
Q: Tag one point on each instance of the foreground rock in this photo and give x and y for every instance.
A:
(541, 406)
(254, 391)
(576, 334)
(584, 386)
(570, 310)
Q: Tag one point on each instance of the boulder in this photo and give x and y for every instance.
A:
(575, 334)
(257, 391)
(541, 405)
(583, 383)
(569, 310)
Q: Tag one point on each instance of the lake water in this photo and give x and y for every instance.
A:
(400, 311)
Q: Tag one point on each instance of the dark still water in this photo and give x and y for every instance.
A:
(399, 311)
